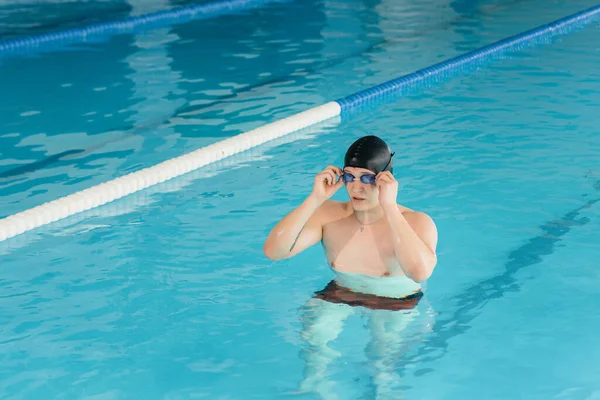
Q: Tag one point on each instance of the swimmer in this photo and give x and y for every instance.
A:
(380, 252)
(369, 235)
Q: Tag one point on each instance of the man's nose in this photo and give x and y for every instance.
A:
(357, 186)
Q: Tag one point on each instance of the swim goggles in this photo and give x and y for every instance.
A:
(367, 179)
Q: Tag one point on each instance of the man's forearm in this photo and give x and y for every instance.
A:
(415, 258)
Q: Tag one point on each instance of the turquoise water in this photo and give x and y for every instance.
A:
(104, 109)
(165, 294)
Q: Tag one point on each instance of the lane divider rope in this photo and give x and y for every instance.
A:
(130, 25)
(98, 195)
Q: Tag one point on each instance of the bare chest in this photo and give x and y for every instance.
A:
(369, 251)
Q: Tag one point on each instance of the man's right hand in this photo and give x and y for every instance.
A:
(327, 182)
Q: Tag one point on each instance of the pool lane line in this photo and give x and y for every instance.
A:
(130, 25)
(98, 195)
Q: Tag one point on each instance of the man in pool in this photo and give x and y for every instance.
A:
(380, 253)
(368, 237)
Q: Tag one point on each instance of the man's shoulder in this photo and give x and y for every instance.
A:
(415, 215)
(422, 224)
(336, 205)
(333, 209)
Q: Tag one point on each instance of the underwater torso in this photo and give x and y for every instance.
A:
(393, 286)
(377, 293)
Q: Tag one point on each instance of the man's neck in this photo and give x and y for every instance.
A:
(369, 216)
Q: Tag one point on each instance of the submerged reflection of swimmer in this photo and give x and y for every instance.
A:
(392, 333)
(380, 253)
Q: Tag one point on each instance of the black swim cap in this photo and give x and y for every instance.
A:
(369, 152)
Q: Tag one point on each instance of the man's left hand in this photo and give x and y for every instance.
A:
(388, 188)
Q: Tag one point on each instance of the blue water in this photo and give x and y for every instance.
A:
(165, 294)
(104, 109)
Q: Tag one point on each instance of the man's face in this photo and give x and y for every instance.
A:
(360, 184)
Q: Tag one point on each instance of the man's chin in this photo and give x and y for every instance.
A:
(361, 204)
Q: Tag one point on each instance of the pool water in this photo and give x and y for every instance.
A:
(166, 294)
(101, 110)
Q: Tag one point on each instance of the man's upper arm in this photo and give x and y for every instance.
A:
(311, 233)
(425, 228)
